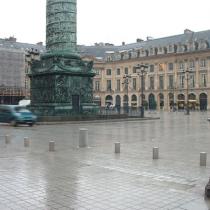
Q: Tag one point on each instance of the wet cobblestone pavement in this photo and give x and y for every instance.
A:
(95, 178)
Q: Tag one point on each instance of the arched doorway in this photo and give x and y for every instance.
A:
(181, 101)
(152, 102)
(118, 103)
(133, 101)
(145, 102)
(118, 100)
(192, 101)
(203, 101)
(161, 100)
(126, 103)
(171, 100)
(108, 100)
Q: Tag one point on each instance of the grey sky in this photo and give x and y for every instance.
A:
(110, 21)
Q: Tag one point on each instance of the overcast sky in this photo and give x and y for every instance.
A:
(110, 21)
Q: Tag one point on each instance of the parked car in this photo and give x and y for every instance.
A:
(15, 115)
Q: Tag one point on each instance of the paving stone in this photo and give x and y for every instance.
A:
(95, 178)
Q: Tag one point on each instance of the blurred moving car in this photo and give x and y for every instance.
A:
(24, 102)
(15, 115)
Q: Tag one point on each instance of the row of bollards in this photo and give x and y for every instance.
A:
(155, 154)
(83, 142)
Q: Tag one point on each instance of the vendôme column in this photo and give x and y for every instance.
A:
(61, 82)
(61, 26)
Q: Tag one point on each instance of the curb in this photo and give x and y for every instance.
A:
(100, 121)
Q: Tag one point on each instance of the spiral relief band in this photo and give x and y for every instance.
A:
(61, 26)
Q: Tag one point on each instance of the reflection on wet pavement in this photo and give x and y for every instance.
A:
(95, 177)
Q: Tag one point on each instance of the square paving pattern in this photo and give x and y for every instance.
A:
(95, 178)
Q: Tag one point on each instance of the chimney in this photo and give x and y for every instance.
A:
(139, 40)
(11, 39)
(123, 43)
(187, 31)
(39, 43)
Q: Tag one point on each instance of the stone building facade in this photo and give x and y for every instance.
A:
(166, 81)
(177, 66)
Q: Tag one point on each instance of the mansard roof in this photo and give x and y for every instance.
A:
(12, 44)
(170, 40)
(100, 51)
(96, 51)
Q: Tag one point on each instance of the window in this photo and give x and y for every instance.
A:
(170, 66)
(192, 81)
(109, 85)
(203, 63)
(126, 70)
(134, 83)
(118, 85)
(171, 81)
(151, 68)
(192, 64)
(181, 66)
(181, 81)
(161, 82)
(118, 71)
(97, 71)
(203, 81)
(134, 70)
(97, 85)
(108, 72)
(152, 85)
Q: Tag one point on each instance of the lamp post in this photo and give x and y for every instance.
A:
(126, 82)
(141, 71)
(187, 73)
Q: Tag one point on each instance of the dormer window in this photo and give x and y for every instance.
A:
(109, 59)
(151, 51)
(138, 53)
(203, 44)
(191, 46)
(142, 54)
(181, 48)
(122, 56)
(160, 49)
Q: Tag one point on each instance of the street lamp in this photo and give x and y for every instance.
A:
(141, 71)
(126, 82)
(187, 73)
